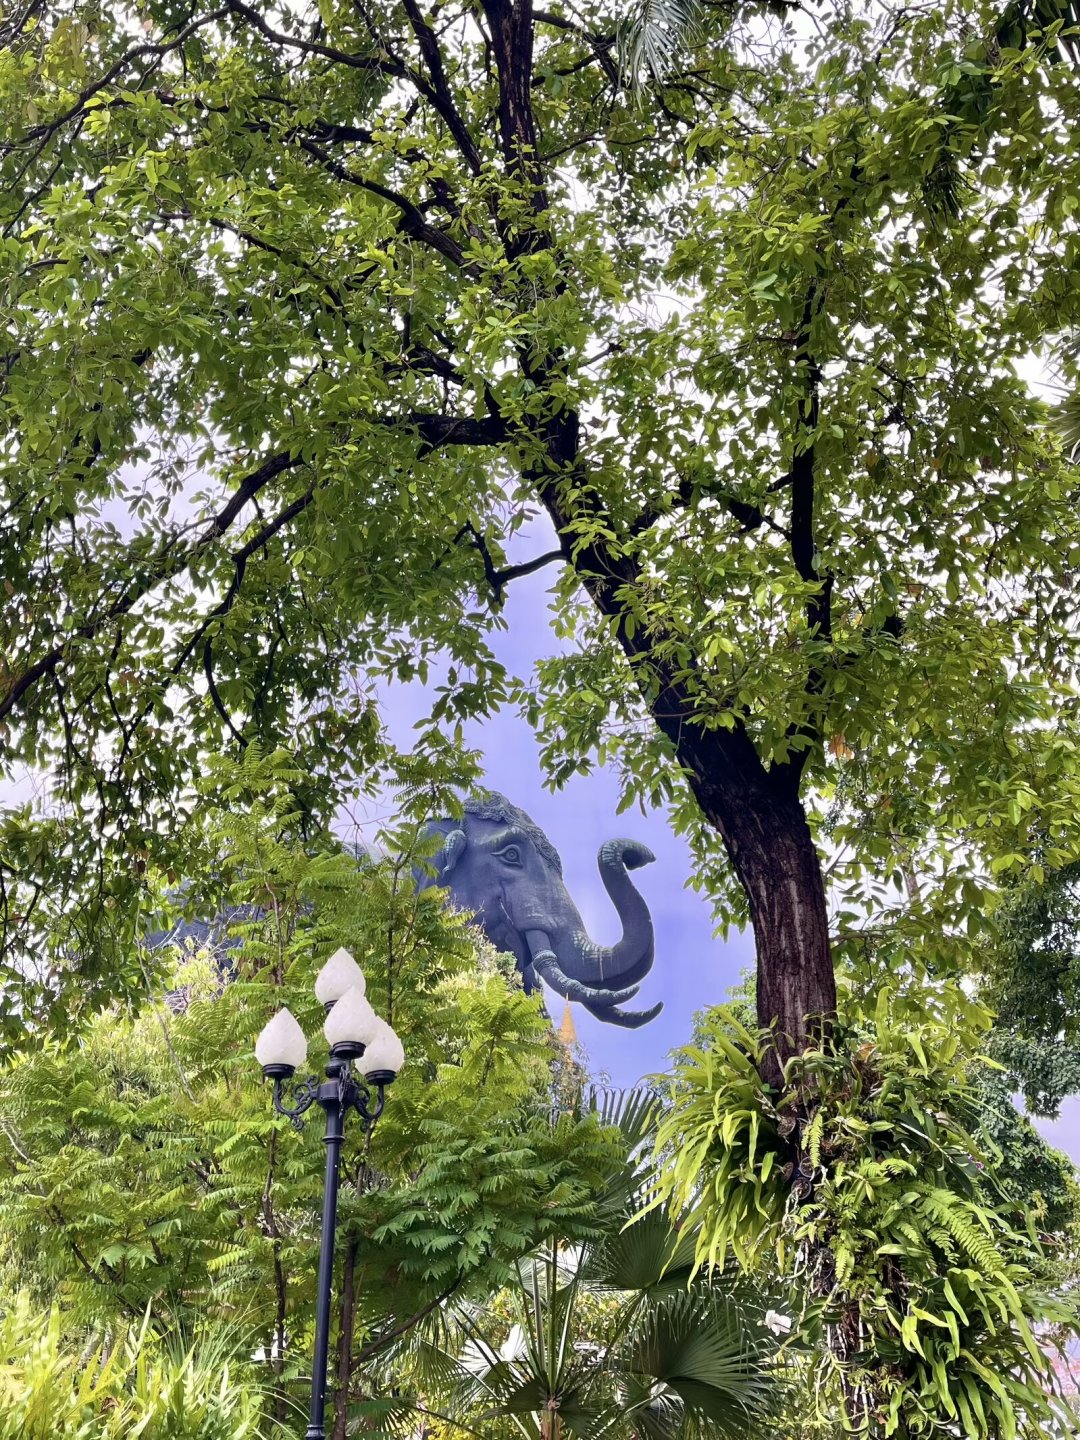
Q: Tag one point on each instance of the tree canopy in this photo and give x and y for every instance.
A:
(310, 310)
(145, 1178)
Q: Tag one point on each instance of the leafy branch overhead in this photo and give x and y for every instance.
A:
(326, 326)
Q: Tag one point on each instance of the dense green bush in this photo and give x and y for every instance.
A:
(925, 1285)
(143, 1170)
(126, 1385)
(607, 1337)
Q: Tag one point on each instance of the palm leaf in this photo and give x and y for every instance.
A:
(655, 1410)
(516, 1396)
(1067, 419)
(652, 35)
(633, 1113)
(641, 1256)
(386, 1418)
(712, 1353)
(589, 1420)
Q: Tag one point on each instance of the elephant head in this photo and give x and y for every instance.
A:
(497, 863)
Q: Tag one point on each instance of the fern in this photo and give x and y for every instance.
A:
(860, 1177)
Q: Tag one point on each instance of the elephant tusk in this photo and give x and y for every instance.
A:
(546, 965)
(628, 1019)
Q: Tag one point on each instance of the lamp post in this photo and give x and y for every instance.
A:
(357, 1038)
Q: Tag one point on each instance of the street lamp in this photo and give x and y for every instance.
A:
(357, 1037)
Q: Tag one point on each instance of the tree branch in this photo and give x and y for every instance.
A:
(215, 694)
(45, 131)
(499, 579)
(240, 558)
(750, 517)
(366, 63)
(412, 217)
(438, 430)
(600, 45)
(439, 94)
(803, 532)
(170, 562)
(528, 567)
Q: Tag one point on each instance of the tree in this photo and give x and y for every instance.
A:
(1030, 979)
(311, 309)
(145, 1178)
(608, 1337)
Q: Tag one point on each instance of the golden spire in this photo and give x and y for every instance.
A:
(568, 1030)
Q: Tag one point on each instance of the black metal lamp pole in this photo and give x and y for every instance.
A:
(338, 1094)
(281, 1047)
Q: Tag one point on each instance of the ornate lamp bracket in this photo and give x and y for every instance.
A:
(341, 1090)
(304, 1093)
(366, 1096)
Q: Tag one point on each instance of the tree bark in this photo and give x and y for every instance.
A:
(776, 860)
(346, 1326)
(761, 820)
(757, 811)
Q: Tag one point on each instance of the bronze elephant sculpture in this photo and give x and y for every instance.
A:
(497, 863)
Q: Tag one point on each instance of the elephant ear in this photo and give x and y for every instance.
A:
(450, 854)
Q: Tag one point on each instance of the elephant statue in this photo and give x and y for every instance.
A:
(499, 864)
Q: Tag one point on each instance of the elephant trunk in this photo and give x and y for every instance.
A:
(609, 966)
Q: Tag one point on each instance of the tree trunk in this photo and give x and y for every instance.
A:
(346, 1325)
(757, 811)
(777, 863)
(277, 1348)
(763, 825)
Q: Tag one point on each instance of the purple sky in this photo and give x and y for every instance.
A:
(693, 968)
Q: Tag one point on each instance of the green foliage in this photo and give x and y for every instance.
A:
(117, 1388)
(926, 1286)
(308, 312)
(143, 1170)
(1031, 978)
(603, 1338)
(651, 35)
(1040, 1181)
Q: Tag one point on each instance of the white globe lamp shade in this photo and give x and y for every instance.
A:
(282, 1046)
(383, 1056)
(351, 1024)
(340, 973)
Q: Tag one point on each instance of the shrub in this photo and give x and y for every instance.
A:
(864, 1180)
(126, 1386)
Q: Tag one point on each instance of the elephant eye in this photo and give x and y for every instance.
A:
(511, 855)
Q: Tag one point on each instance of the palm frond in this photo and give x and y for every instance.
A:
(589, 1420)
(654, 1409)
(632, 1112)
(651, 37)
(712, 1354)
(1067, 419)
(515, 1396)
(384, 1418)
(641, 1256)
